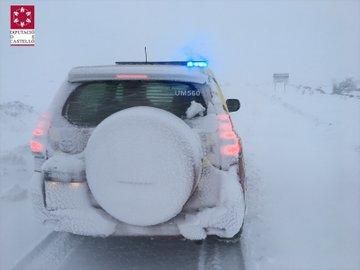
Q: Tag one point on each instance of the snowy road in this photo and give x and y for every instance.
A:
(65, 251)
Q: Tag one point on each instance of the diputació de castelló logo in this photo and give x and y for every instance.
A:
(22, 25)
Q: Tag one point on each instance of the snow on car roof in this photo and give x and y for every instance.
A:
(151, 72)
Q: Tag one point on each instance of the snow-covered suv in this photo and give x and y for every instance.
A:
(140, 148)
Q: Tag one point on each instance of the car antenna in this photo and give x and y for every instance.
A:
(145, 55)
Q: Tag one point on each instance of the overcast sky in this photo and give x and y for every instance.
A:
(244, 41)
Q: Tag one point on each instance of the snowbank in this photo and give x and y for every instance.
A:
(15, 108)
(17, 120)
(13, 193)
(19, 229)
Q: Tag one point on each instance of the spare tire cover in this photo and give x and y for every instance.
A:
(142, 164)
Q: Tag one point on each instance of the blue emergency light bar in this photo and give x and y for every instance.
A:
(202, 64)
(190, 64)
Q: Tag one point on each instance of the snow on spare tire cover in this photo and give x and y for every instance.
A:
(142, 164)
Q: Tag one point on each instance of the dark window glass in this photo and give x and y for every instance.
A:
(90, 103)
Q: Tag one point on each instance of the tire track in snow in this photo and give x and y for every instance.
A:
(67, 251)
(50, 253)
(297, 111)
(215, 255)
(209, 258)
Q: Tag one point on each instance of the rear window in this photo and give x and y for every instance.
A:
(92, 102)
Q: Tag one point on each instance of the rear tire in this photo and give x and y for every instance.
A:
(232, 240)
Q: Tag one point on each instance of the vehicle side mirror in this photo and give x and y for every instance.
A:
(233, 104)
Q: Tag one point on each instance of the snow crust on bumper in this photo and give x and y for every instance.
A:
(225, 218)
(69, 216)
(216, 208)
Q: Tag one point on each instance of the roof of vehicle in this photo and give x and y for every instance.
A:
(152, 72)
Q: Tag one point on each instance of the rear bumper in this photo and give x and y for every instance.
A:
(70, 207)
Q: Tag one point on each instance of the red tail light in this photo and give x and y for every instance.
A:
(37, 143)
(228, 135)
(231, 149)
(226, 126)
(38, 132)
(36, 147)
(132, 76)
(223, 117)
(230, 142)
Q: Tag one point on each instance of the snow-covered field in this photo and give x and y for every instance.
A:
(302, 156)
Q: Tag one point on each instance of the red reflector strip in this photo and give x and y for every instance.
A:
(38, 132)
(36, 147)
(231, 150)
(132, 76)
